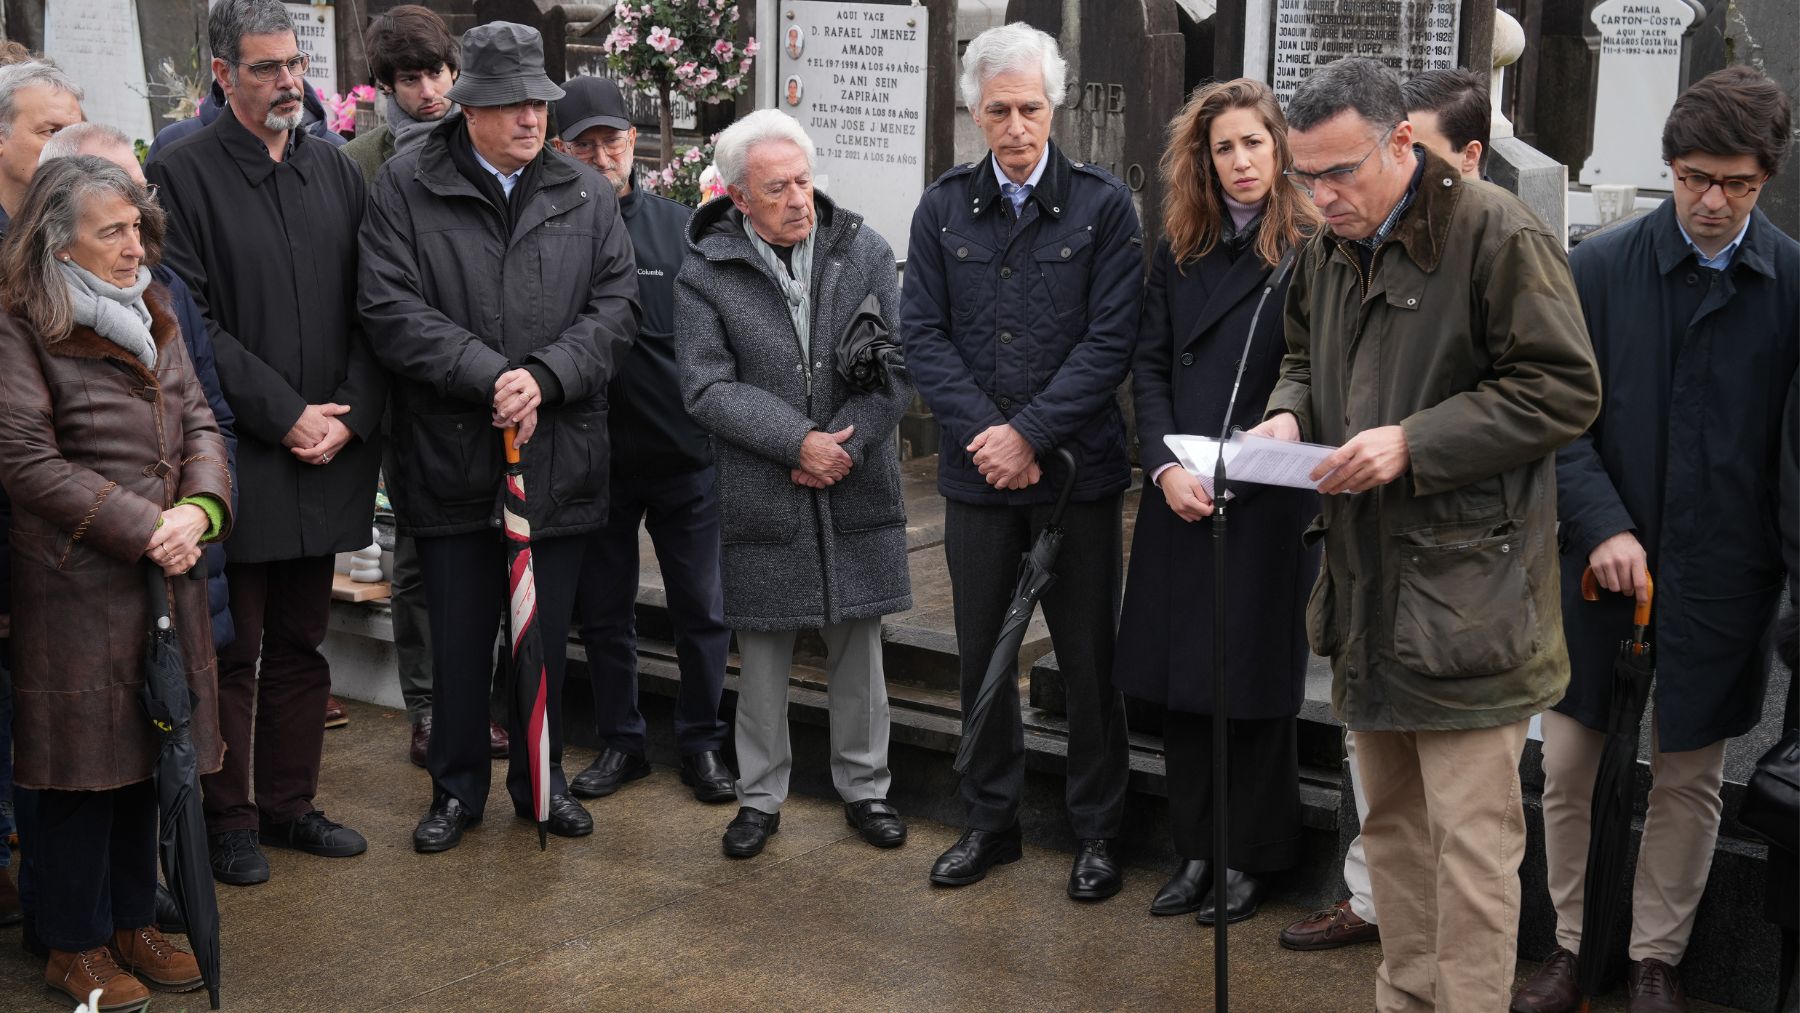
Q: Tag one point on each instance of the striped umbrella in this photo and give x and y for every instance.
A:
(530, 682)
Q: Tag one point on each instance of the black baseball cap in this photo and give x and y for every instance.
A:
(590, 102)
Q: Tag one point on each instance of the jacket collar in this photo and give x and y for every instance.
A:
(251, 154)
(437, 169)
(1051, 192)
(1756, 252)
(86, 343)
(1424, 229)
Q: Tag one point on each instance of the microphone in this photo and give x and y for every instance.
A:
(1276, 277)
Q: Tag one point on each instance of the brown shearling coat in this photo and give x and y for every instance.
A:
(93, 447)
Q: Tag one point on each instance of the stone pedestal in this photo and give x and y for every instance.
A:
(1540, 181)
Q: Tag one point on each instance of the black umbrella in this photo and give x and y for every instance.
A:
(1035, 575)
(1605, 902)
(866, 352)
(181, 837)
(531, 693)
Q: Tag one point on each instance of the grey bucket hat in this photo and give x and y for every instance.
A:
(502, 64)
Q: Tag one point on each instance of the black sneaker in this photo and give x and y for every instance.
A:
(315, 835)
(236, 860)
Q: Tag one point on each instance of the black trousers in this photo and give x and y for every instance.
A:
(1264, 795)
(93, 864)
(983, 545)
(466, 595)
(681, 512)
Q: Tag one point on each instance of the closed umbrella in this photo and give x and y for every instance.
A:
(1036, 572)
(181, 839)
(531, 684)
(1605, 902)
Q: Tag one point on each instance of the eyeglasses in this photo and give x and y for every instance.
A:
(1307, 181)
(270, 70)
(1700, 182)
(612, 147)
(150, 190)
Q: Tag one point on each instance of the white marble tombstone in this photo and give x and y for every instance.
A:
(1639, 77)
(97, 42)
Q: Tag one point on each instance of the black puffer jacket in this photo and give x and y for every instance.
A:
(453, 296)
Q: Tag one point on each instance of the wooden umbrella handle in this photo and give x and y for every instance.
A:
(1590, 591)
(510, 435)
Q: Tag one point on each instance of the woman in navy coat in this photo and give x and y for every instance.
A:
(1228, 218)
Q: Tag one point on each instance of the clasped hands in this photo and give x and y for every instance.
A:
(175, 544)
(516, 401)
(1004, 458)
(1373, 457)
(318, 435)
(823, 460)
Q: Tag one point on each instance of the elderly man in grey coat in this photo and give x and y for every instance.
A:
(813, 525)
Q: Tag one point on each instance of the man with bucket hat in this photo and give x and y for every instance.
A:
(498, 285)
(662, 477)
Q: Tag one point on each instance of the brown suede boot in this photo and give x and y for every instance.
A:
(148, 954)
(79, 975)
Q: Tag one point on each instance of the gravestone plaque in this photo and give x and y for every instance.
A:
(316, 31)
(1639, 77)
(98, 44)
(1124, 86)
(853, 75)
(1407, 35)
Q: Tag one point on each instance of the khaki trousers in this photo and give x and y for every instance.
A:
(1680, 828)
(1444, 835)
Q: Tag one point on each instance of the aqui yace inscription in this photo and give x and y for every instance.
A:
(1407, 35)
(853, 74)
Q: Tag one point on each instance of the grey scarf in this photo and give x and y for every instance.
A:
(795, 287)
(406, 130)
(117, 314)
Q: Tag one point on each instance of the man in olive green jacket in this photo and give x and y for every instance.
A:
(1435, 334)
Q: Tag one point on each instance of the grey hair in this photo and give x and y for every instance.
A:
(731, 153)
(71, 139)
(1014, 48)
(231, 20)
(1371, 89)
(48, 222)
(24, 75)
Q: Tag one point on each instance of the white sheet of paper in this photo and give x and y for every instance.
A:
(1250, 458)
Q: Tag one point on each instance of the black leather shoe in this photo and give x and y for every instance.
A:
(877, 822)
(707, 774)
(443, 826)
(1243, 895)
(1184, 890)
(168, 915)
(236, 860)
(1096, 874)
(748, 831)
(315, 834)
(567, 817)
(608, 774)
(974, 853)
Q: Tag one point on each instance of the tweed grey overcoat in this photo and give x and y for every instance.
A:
(795, 558)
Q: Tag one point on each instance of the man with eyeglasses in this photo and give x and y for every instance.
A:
(662, 477)
(1435, 338)
(1692, 313)
(263, 220)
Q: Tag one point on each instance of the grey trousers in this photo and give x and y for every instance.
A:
(859, 714)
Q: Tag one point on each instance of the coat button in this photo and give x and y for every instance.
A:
(1006, 272)
(1447, 184)
(962, 253)
(1056, 211)
(1187, 358)
(1412, 302)
(1006, 337)
(1065, 253)
(1692, 278)
(1505, 546)
(1350, 673)
(1005, 403)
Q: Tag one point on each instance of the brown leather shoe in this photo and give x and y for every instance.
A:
(421, 741)
(1552, 989)
(78, 975)
(147, 953)
(335, 715)
(1329, 929)
(497, 741)
(1652, 986)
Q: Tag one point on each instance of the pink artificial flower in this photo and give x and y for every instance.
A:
(731, 83)
(723, 49)
(751, 48)
(623, 11)
(706, 76)
(661, 41)
(685, 71)
(691, 156)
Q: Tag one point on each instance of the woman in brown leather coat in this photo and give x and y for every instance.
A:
(113, 462)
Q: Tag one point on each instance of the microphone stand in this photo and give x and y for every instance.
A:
(1220, 729)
